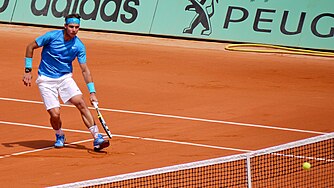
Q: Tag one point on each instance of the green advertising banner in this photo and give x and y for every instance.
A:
(6, 10)
(299, 23)
(112, 15)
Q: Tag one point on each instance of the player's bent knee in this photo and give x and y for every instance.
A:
(81, 104)
(78, 101)
(54, 113)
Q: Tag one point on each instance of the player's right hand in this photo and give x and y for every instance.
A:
(93, 98)
(27, 78)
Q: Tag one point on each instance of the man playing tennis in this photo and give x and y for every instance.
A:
(60, 48)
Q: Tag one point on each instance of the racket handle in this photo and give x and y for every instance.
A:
(95, 104)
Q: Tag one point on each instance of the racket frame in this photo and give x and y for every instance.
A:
(101, 119)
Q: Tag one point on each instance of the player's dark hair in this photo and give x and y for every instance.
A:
(72, 16)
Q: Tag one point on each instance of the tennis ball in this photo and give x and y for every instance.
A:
(306, 166)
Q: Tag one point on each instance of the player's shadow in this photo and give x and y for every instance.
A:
(39, 144)
(34, 144)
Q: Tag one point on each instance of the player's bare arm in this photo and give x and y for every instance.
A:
(89, 81)
(27, 77)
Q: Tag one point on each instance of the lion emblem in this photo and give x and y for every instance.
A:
(204, 11)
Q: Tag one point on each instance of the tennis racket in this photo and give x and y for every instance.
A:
(103, 123)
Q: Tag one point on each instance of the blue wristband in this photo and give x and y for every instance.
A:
(91, 87)
(28, 62)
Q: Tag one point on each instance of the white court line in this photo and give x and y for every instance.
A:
(114, 135)
(182, 117)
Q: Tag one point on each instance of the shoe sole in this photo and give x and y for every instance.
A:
(103, 145)
(59, 146)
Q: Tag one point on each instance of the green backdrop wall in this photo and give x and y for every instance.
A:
(6, 10)
(297, 23)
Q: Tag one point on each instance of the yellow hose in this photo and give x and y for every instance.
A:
(277, 49)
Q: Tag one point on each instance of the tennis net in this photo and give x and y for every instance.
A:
(279, 166)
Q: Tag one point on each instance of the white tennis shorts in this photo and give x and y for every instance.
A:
(51, 89)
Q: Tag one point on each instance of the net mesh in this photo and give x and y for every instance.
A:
(207, 176)
(279, 166)
(284, 168)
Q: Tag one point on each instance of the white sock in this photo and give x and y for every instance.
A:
(59, 132)
(94, 130)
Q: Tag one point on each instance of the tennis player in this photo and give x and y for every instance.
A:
(60, 48)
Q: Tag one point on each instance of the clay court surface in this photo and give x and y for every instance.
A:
(167, 102)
